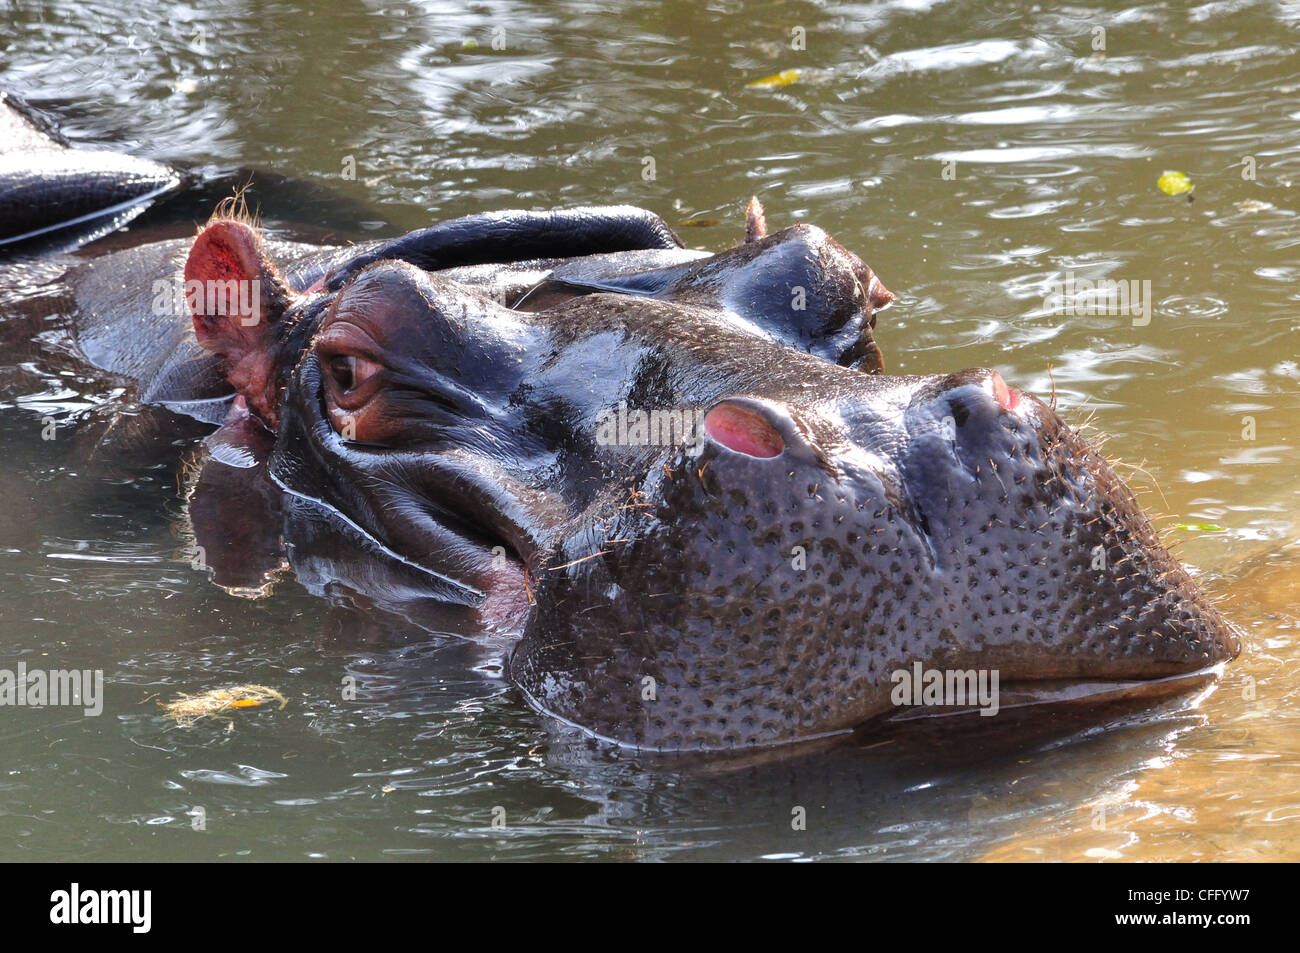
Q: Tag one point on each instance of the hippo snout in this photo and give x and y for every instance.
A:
(1049, 565)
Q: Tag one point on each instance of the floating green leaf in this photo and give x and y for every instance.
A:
(1200, 527)
(1174, 183)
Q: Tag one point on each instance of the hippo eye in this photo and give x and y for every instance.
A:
(348, 372)
(343, 368)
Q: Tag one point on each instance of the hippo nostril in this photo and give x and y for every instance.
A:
(1008, 398)
(742, 430)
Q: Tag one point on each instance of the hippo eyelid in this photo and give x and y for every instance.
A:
(364, 444)
(439, 399)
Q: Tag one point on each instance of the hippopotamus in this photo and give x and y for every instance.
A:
(47, 186)
(680, 488)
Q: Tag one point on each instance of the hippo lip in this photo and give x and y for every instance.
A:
(1019, 694)
(1030, 693)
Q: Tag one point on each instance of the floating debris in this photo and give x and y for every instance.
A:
(700, 222)
(1175, 183)
(1103, 853)
(1200, 527)
(189, 709)
(1253, 205)
(787, 77)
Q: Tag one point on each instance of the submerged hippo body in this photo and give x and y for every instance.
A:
(49, 187)
(680, 485)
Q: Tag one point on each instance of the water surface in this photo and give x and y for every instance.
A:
(971, 152)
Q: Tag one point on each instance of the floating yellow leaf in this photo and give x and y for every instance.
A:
(786, 77)
(189, 709)
(1174, 183)
(700, 222)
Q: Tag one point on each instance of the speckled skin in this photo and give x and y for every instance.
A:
(963, 543)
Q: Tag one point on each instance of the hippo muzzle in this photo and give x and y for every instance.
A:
(777, 577)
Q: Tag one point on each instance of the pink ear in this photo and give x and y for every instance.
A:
(234, 291)
(742, 430)
(224, 251)
(755, 221)
(879, 296)
(236, 296)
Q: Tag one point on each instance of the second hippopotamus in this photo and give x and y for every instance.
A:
(680, 483)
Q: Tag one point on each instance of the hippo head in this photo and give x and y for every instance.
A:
(702, 536)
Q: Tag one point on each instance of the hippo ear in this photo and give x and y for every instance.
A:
(743, 429)
(236, 296)
(234, 291)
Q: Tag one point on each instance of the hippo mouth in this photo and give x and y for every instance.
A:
(1079, 693)
(826, 554)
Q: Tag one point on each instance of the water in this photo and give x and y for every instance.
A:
(1057, 148)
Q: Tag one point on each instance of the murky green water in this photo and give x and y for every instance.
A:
(971, 152)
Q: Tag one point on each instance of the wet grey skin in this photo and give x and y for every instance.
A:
(751, 584)
(48, 187)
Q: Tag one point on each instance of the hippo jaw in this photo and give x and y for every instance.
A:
(783, 575)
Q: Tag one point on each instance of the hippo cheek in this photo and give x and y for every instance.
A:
(757, 604)
(429, 509)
